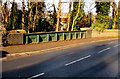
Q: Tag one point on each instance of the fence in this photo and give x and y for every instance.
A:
(53, 36)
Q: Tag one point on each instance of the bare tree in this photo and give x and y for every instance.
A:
(78, 11)
(58, 16)
(36, 13)
(69, 16)
(114, 14)
(29, 16)
(23, 13)
(5, 14)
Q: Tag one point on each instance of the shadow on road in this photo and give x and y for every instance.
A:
(93, 71)
(3, 54)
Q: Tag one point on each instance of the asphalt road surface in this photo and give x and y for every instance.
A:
(90, 60)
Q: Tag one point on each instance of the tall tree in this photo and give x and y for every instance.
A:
(114, 15)
(54, 14)
(29, 16)
(119, 8)
(5, 14)
(90, 14)
(69, 16)
(119, 14)
(58, 16)
(35, 15)
(102, 18)
(103, 8)
(12, 15)
(77, 14)
(23, 14)
(78, 11)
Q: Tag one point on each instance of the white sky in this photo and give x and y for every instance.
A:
(89, 5)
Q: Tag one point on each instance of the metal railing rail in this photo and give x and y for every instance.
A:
(53, 36)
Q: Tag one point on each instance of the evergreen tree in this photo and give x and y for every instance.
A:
(102, 18)
(103, 8)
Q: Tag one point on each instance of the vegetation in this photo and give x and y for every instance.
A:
(77, 15)
(33, 17)
(102, 18)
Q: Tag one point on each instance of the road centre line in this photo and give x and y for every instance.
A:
(116, 45)
(78, 60)
(36, 76)
(104, 50)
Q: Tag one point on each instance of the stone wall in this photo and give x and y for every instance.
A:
(13, 39)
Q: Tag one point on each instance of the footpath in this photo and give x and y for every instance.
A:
(31, 49)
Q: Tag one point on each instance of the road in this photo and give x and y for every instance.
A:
(90, 60)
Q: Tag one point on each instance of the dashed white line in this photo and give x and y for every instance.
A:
(78, 60)
(104, 50)
(36, 76)
(116, 45)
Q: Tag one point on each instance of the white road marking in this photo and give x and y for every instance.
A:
(104, 50)
(78, 60)
(116, 45)
(36, 75)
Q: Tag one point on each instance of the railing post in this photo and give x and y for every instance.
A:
(47, 37)
(38, 38)
(26, 39)
(75, 35)
(80, 35)
(56, 36)
(85, 34)
(69, 35)
(63, 36)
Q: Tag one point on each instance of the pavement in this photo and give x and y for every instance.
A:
(40, 48)
(92, 59)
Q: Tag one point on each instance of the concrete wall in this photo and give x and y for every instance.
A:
(89, 34)
(13, 39)
(106, 33)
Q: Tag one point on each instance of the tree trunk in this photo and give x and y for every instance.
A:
(119, 15)
(58, 16)
(29, 16)
(114, 13)
(23, 12)
(35, 17)
(5, 15)
(12, 15)
(69, 16)
(90, 18)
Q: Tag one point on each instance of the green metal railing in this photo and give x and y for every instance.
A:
(53, 36)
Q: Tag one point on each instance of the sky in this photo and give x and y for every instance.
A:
(89, 5)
